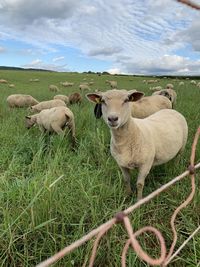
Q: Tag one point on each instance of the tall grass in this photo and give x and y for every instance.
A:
(50, 195)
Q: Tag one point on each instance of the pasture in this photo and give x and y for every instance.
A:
(39, 217)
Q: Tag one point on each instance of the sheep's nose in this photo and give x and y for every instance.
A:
(112, 119)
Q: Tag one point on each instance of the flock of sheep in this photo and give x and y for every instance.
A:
(145, 130)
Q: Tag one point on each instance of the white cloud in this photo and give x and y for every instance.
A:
(39, 64)
(58, 59)
(2, 49)
(114, 71)
(122, 32)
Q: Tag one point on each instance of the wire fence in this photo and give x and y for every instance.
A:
(122, 217)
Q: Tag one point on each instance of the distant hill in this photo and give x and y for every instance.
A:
(18, 68)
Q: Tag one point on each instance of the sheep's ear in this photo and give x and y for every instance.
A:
(94, 97)
(135, 96)
(97, 111)
(28, 117)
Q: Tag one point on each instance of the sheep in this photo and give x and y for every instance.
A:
(193, 82)
(75, 98)
(198, 84)
(181, 84)
(34, 80)
(169, 93)
(151, 81)
(20, 101)
(47, 104)
(84, 86)
(11, 85)
(155, 88)
(53, 120)
(3, 81)
(140, 143)
(148, 105)
(64, 98)
(66, 84)
(169, 86)
(113, 84)
(53, 88)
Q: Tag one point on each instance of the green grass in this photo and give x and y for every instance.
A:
(38, 218)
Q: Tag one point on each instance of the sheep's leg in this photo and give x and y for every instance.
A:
(143, 172)
(57, 128)
(71, 127)
(127, 179)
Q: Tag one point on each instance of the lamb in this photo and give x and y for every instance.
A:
(75, 98)
(148, 105)
(169, 93)
(140, 143)
(64, 98)
(53, 88)
(53, 120)
(47, 104)
(20, 101)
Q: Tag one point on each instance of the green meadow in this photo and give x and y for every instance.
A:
(51, 195)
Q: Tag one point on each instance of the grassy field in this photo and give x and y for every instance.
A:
(38, 219)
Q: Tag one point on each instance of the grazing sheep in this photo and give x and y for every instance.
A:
(91, 83)
(64, 98)
(169, 86)
(169, 93)
(34, 80)
(151, 81)
(66, 84)
(155, 88)
(3, 81)
(181, 84)
(140, 143)
(20, 101)
(47, 104)
(113, 84)
(84, 86)
(53, 120)
(11, 85)
(198, 84)
(53, 88)
(193, 82)
(75, 98)
(148, 105)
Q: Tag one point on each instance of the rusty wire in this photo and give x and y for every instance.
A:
(189, 3)
(122, 217)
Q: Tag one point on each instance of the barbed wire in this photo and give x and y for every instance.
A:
(190, 4)
(122, 217)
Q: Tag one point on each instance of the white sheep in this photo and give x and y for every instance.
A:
(84, 86)
(198, 84)
(3, 81)
(148, 105)
(169, 93)
(21, 100)
(47, 104)
(64, 98)
(155, 88)
(53, 120)
(53, 88)
(113, 84)
(193, 82)
(140, 143)
(66, 84)
(181, 84)
(169, 86)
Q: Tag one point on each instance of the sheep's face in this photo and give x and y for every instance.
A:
(29, 121)
(114, 105)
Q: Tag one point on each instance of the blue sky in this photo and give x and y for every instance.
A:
(119, 36)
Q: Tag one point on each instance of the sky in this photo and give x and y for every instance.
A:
(148, 37)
